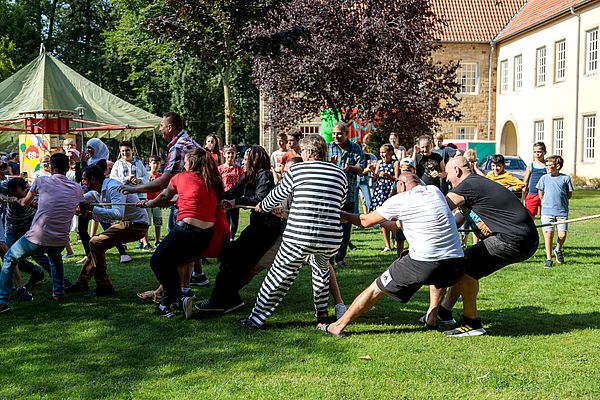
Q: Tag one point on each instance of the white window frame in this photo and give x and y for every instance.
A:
(589, 138)
(465, 132)
(504, 76)
(309, 129)
(560, 60)
(591, 51)
(518, 72)
(467, 75)
(558, 133)
(540, 66)
(538, 131)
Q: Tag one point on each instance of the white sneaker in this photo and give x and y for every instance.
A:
(340, 310)
(125, 258)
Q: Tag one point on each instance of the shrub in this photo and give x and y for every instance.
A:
(578, 181)
(595, 183)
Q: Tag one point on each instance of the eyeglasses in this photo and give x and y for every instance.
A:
(550, 165)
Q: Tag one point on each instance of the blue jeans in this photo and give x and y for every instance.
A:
(12, 235)
(365, 189)
(23, 248)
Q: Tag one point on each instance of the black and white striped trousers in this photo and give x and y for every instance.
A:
(284, 271)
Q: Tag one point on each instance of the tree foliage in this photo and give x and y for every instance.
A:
(359, 58)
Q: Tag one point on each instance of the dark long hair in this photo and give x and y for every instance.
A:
(258, 160)
(201, 162)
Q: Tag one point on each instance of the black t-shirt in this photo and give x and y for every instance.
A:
(498, 207)
(426, 164)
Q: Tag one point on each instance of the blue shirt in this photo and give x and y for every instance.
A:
(555, 201)
(110, 194)
(351, 154)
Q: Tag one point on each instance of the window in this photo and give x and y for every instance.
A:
(591, 51)
(560, 60)
(468, 78)
(504, 76)
(518, 84)
(538, 131)
(540, 66)
(589, 138)
(465, 133)
(558, 127)
(306, 129)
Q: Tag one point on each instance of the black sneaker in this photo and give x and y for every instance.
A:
(467, 327)
(164, 312)
(444, 317)
(102, 291)
(4, 307)
(190, 293)
(208, 306)
(249, 323)
(548, 264)
(148, 247)
(199, 280)
(77, 288)
(559, 254)
(231, 307)
(34, 279)
(24, 295)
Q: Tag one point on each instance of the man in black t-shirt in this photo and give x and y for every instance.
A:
(430, 166)
(513, 238)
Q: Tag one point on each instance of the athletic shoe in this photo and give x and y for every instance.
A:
(231, 307)
(24, 295)
(341, 264)
(208, 306)
(57, 297)
(35, 278)
(559, 254)
(340, 310)
(139, 246)
(199, 280)
(4, 307)
(249, 323)
(548, 264)
(187, 307)
(125, 258)
(351, 246)
(157, 243)
(148, 247)
(190, 293)
(467, 327)
(164, 312)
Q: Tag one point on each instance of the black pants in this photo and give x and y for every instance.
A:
(233, 217)
(82, 230)
(183, 244)
(239, 257)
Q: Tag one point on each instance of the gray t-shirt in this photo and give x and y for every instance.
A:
(555, 201)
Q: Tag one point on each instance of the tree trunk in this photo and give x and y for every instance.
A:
(227, 103)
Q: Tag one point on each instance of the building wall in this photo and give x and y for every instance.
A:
(476, 108)
(569, 99)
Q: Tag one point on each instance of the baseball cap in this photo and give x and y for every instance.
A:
(407, 161)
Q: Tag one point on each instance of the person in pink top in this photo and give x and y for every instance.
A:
(199, 189)
(231, 174)
(49, 232)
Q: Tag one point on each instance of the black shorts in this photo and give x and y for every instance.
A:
(491, 254)
(406, 276)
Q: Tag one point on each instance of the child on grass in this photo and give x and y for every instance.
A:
(555, 190)
(533, 173)
(231, 174)
(384, 175)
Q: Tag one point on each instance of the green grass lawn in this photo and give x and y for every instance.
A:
(543, 338)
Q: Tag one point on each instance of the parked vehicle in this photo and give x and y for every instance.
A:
(514, 164)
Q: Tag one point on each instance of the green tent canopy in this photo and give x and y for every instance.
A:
(48, 84)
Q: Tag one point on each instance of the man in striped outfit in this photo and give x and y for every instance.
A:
(312, 233)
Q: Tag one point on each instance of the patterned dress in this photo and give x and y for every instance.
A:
(382, 186)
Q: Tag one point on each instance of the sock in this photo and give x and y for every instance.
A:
(185, 289)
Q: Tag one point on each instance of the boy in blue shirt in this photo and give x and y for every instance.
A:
(555, 190)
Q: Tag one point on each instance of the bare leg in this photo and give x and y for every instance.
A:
(69, 249)
(469, 288)
(452, 296)
(185, 273)
(562, 237)
(94, 227)
(364, 302)
(157, 233)
(144, 240)
(399, 247)
(386, 237)
(198, 267)
(435, 299)
(334, 289)
(548, 240)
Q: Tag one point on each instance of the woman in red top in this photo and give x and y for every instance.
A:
(199, 190)
(231, 174)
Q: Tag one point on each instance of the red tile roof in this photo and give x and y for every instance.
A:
(536, 12)
(474, 20)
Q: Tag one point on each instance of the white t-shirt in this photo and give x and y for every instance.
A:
(427, 223)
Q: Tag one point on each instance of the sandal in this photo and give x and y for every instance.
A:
(150, 295)
(325, 329)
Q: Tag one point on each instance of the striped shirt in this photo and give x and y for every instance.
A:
(319, 190)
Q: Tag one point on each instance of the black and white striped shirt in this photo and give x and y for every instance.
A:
(319, 189)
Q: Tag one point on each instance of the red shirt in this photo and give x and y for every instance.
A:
(153, 177)
(195, 200)
(231, 174)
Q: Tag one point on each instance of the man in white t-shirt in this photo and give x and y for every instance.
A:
(435, 256)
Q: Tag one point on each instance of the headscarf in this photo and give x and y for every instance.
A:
(100, 151)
